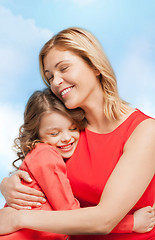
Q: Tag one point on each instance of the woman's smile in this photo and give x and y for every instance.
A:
(64, 92)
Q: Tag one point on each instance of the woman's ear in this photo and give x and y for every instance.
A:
(97, 72)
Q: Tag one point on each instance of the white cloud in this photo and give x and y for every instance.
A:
(137, 75)
(20, 30)
(2, 201)
(10, 121)
(146, 105)
(20, 43)
(77, 2)
(83, 2)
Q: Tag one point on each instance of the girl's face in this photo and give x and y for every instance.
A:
(72, 80)
(60, 132)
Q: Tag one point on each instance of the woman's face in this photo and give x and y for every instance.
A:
(72, 80)
(60, 132)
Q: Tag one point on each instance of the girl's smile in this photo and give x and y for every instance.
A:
(59, 131)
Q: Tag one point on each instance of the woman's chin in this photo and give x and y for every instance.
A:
(70, 105)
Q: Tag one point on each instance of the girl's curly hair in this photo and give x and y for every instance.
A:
(39, 103)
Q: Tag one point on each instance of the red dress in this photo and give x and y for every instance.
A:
(89, 169)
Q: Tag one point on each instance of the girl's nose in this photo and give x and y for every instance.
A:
(66, 137)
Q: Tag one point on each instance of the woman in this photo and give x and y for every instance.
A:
(112, 169)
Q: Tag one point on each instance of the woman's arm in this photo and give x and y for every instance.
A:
(125, 226)
(49, 171)
(129, 180)
(11, 187)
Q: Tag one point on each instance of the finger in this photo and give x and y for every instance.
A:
(20, 204)
(23, 175)
(18, 207)
(153, 220)
(151, 214)
(149, 209)
(27, 198)
(27, 203)
(29, 191)
(149, 229)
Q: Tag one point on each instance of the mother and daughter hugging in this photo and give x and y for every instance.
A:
(89, 154)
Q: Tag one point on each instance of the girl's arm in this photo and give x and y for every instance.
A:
(48, 170)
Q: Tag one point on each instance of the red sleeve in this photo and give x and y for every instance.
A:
(49, 171)
(125, 226)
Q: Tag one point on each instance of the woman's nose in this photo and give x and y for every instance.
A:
(57, 81)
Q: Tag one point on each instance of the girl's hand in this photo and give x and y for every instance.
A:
(8, 220)
(19, 196)
(144, 220)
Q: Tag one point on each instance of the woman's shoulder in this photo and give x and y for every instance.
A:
(143, 121)
(137, 123)
(146, 126)
(143, 133)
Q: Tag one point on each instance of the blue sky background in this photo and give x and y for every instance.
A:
(126, 30)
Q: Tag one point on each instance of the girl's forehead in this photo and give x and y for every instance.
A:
(56, 118)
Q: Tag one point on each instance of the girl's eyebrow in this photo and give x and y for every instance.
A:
(50, 128)
(56, 65)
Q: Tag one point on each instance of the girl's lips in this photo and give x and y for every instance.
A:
(66, 148)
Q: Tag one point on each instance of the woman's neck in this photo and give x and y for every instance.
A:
(98, 122)
(94, 110)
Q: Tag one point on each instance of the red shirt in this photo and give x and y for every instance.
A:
(48, 171)
(93, 162)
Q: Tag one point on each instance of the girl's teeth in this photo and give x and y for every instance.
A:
(66, 90)
(66, 146)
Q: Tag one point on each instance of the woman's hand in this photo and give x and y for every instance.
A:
(8, 220)
(19, 196)
(144, 220)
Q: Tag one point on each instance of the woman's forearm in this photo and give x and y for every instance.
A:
(71, 222)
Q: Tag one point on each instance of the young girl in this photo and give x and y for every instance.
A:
(48, 132)
(46, 140)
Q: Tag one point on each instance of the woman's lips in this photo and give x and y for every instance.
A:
(65, 91)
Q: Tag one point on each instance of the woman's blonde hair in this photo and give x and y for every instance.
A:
(85, 45)
(40, 103)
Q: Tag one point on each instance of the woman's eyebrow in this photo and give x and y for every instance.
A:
(56, 65)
